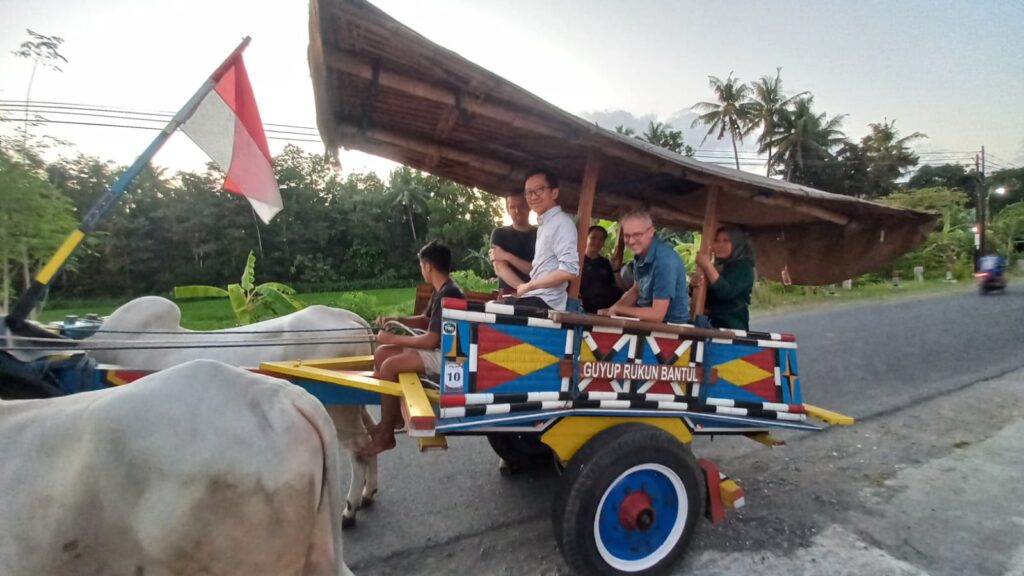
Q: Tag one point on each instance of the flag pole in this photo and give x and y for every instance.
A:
(46, 274)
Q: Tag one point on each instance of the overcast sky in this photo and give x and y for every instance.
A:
(952, 70)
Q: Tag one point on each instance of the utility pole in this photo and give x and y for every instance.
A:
(984, 207)
(979, 222)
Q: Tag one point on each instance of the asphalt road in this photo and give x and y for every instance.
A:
(438, 512)
(869, 358)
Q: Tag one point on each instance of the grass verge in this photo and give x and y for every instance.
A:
(216, 313)
(777, 299)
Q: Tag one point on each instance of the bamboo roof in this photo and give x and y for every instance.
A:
(384, 89)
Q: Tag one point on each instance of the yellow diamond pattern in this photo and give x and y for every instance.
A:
(586, 354)
(741, 372)
(684, 356)
(521, 358)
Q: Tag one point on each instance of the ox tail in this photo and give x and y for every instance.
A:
(317, 416)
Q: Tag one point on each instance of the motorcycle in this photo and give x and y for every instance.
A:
(991, 274)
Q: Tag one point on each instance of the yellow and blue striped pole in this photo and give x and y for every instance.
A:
(42, 279)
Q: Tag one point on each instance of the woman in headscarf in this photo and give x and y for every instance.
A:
(730, 279)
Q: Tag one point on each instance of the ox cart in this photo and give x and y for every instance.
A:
(615, 402)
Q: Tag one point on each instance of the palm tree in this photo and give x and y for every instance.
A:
(656, 132)
(407, 197)
(625, 131)
(888, 155)
(800, 136)
(769, 101)
(663, 135)
(733, 112)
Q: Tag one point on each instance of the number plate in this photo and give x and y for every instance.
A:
(453, 377)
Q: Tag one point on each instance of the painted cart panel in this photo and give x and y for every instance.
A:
(510, 367)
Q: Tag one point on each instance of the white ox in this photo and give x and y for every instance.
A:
(158, 320)
(200, 469)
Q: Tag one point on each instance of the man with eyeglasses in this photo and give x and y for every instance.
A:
(659, 292)
(555, 256)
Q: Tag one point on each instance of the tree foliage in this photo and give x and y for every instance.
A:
(947, 175)
(803, 139)
(949, 247)
(335, 232)
(770, 102)
(250, 302)
(808, 146)
(733, 112)
(1007, 230)
(1011, 181)
(888, 157)
(663, 135)
(43, 51)
(948, 202)
(34, 219)
(660, 134)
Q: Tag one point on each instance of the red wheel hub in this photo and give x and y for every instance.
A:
(636, 511)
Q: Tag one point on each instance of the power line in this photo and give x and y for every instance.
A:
(725, 160)
(20, 105)
(49, 102)
(1001, 162)
(309, 134)
(106, 125)
(53, 107)
(997, 166)
(159, 121)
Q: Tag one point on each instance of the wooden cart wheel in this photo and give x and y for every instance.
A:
(629, 502)
(519, 452)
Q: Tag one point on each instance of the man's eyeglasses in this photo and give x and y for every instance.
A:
(636, 236)
(536, 191)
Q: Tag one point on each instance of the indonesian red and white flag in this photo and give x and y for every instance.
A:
(227, 126)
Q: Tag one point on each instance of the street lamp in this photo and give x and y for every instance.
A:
(982, 212)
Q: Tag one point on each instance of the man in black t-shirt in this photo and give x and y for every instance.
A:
(512, 246)
(420, 354)
(597, 286)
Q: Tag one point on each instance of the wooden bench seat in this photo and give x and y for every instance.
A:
(424, 291)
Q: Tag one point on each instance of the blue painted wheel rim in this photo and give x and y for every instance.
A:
(633, 550)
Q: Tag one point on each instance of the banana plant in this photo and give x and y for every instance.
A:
(688, 252)
(249, 301)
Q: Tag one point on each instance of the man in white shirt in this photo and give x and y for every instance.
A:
(556, 259)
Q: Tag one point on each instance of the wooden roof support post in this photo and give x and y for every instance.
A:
(707, 238)
(586, 205)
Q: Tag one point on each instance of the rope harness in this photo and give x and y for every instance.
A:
(35, 343)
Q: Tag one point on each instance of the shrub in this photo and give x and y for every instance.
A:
(766, 294)
(365, 305)
(250, 302)
(468, 280)
(386, 281)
